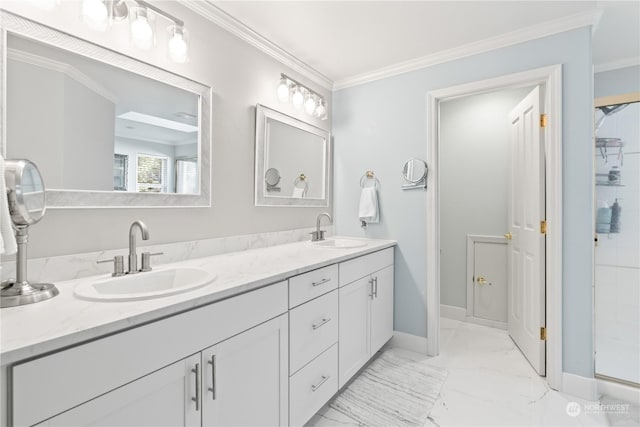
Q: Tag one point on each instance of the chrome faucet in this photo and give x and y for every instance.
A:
(319, 234)
(133, 256)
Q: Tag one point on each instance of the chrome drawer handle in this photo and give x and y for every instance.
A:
(321, 282)
(212, 389)
(323, 380)
(324, 321)
(196, 399)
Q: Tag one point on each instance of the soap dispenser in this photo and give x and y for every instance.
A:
(615, 217)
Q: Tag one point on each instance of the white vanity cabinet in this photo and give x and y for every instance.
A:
(366, 310)
(272, 356)
(131, 377)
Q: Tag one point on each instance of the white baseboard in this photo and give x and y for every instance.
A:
(579, 386)
(451, 312)
(618, 391)
(409, 342)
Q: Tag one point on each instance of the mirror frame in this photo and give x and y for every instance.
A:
(262, 114)
(22, 27)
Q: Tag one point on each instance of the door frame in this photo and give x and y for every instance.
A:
(551, 79)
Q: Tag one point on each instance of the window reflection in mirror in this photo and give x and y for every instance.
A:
(92, 126)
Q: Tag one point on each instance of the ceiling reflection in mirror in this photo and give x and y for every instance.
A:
(94, 127)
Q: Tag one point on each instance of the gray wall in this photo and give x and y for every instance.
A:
(378, 125)
(474, 164)
(241, 76)
(44, 141)
(617, 82)
(293, 151)
(88, 138)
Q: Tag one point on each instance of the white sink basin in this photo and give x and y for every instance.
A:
(340, 243)
(146, 285)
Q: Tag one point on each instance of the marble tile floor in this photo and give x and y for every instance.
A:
(490, 383)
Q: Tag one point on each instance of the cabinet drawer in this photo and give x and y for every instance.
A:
(357, 268)
(310, 285)
(313, 386)
(313, 327)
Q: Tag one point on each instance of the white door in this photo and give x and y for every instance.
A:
(490, 281)
(526, 268)
(381, 309)
(354, 328)
(163, 398)
(246, 378)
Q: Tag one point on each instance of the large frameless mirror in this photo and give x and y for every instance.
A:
(292, 161)
(104, 129)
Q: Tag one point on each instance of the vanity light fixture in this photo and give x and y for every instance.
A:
(300, 95)
(99, 14)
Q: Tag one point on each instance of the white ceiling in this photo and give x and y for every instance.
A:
(344, 39)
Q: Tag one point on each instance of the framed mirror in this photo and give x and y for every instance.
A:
(292, 161)
(104, 129)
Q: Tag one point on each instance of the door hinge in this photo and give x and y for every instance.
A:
(543, 333)
(543, 227)
(543, 120)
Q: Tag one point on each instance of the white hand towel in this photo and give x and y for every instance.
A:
(298, 192)
(368, 211)
(7, 237)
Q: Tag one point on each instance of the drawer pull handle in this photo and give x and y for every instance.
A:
(323, 380)
(371, 288)
(212, 389)
(324, 321)
(375, 287)
(321, 282)
(197, 398)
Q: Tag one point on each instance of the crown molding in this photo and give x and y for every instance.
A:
(616, 65)
(223, 19)
(64, 68)
(584, 19)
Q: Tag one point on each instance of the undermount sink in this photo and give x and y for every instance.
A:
(340, 243)
(146, 285)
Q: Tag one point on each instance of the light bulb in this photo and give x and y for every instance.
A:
(283, 90)
(178, 45)
(45, 4)
(320, 110)
(310, 104)
(298, 97)
(95, 14)
(141, 31)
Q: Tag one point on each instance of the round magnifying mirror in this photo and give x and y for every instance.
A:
(25, 192)
(272, 177)
(414, 170)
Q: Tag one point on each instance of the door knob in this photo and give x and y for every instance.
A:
(482, 281)
(508, 236)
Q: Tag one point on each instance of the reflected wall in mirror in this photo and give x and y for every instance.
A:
(292, 161)
(104, 129)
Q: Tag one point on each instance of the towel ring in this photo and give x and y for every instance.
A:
(369, 175)
(302, 178)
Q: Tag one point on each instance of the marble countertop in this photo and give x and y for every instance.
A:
(32, 330)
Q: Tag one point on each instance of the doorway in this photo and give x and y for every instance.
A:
(549, 79)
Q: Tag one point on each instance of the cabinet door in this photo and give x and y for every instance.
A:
(163, 398)
(246, 378)
(382, 308)
(354, 328)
